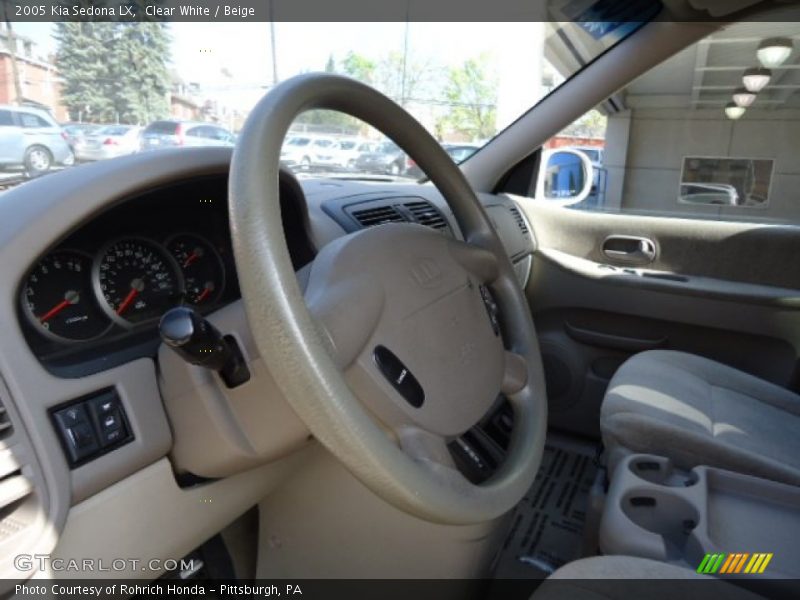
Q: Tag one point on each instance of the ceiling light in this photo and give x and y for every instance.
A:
(733, 111)
(756, 79)
(743, 98)
(773, 52)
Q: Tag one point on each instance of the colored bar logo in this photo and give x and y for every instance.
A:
(736, 562)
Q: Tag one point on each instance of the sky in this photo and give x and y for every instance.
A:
(234, 59)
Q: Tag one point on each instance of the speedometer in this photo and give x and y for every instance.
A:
(137, 281)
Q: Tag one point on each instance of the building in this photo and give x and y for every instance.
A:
(183, 108)
(38, 77)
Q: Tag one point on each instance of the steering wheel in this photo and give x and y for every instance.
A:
(403, 337)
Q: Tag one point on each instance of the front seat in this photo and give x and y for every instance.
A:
(625, 577)
(699, 412)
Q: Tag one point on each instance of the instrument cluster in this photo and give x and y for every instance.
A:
(95, 299)
(72, 296)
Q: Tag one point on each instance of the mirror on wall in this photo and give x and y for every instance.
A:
(726, 181)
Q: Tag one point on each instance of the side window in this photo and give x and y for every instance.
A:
(198, 132)
(220, 134)
(709, 134)
(6, 119)
(30, 121)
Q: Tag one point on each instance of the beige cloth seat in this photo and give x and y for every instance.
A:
(624, 577)
(700, 412)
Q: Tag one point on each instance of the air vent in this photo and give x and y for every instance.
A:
(523, 226)
(426, 214)
(18, 502)
(379, 215)
(5, 423)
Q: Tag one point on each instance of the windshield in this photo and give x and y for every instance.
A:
(464, 82)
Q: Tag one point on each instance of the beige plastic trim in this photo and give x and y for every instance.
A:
(324, 523)
(147, 516)
(706, 510)
(220, 431)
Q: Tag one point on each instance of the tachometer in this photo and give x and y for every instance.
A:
(136, 281)
(202, 267)
(58, 298)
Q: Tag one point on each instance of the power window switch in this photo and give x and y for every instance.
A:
(72, 416)
(80, 440)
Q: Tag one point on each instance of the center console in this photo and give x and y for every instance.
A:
(749, 526)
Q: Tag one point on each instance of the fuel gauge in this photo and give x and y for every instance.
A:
(203, 270)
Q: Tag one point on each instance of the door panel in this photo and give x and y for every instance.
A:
(727, 291)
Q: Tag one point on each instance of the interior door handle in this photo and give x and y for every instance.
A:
(629, 249)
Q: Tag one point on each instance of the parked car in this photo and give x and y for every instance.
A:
(166, 134)
(295, 151)
(306, 151)
(349, 150)
(458, 152)
(386, 159)
(709, 193)
(77, 134)
(109, 142)
(31, 138)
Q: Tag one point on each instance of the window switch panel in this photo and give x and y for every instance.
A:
(91, 426)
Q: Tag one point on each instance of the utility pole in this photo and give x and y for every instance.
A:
(12, 47)
(272, 42)
(405, 61)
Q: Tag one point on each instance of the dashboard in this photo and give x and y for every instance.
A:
(93, 301)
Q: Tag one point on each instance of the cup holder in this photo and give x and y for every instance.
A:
(664, 514)
(660, 471)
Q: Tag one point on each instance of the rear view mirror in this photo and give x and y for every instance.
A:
(565, 176)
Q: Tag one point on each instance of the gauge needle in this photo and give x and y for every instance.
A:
(196, 254)
(137, 285)
(70, 298)
(204, 294)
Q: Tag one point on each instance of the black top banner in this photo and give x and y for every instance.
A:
(609, 11)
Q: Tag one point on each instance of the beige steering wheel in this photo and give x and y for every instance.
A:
(392, 350)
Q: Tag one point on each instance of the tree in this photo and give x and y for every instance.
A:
(114, 71)
(591, 125)
(81, 66)
(471, 94)
(359, 67)
(140, 75)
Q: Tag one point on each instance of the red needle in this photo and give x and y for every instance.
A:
(203, 295)
(127, 302)
(55, 310)
(192, 257)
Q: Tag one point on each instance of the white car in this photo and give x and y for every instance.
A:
(349, 149)
(307, 151)
(109, 142)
